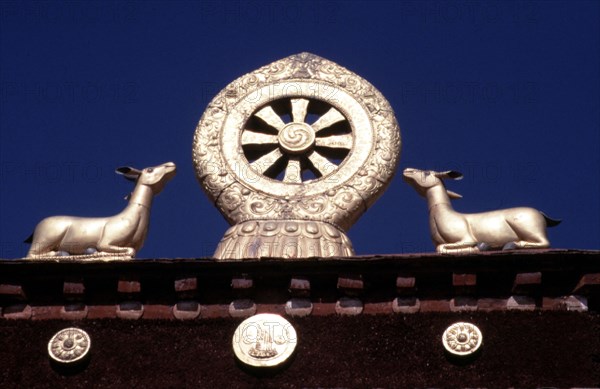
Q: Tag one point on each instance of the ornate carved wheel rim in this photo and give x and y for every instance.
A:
(312, 144)
(275, 144)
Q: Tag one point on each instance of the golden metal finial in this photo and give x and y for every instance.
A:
(292, 154)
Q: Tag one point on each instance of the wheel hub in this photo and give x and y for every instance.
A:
(296, 138)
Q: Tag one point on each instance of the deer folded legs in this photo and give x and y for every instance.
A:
(522, 244)
(116, 250)
(458, 247)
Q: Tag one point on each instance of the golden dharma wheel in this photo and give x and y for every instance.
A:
(293, 153)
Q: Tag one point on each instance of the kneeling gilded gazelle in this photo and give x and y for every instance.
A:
(454, 232)
(119, 236)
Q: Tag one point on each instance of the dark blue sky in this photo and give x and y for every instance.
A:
(506, 92)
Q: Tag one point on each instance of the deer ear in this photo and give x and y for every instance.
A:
(129, 173)
(453, 174)
(453, 195)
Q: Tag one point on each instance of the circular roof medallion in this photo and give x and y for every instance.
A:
(462, 339)
(69, 345)
(264, 340)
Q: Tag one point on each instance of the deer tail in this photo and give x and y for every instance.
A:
(549, 221)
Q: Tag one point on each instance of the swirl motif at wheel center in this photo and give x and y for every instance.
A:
(302, 149)
(296, 138)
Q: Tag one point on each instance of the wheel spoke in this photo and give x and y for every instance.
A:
(270, 117)
(321, 164)
(257, 138)
(293, 171)
(335, 141)
(299, 110)
(331, 117)
(275, 159)
(266, 161)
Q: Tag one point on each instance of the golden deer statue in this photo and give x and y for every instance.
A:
(119, 236)
(454, 232)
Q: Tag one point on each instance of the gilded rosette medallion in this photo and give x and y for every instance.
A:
(264, 340)
(462, 339)
(293, 154)
(69, 345)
